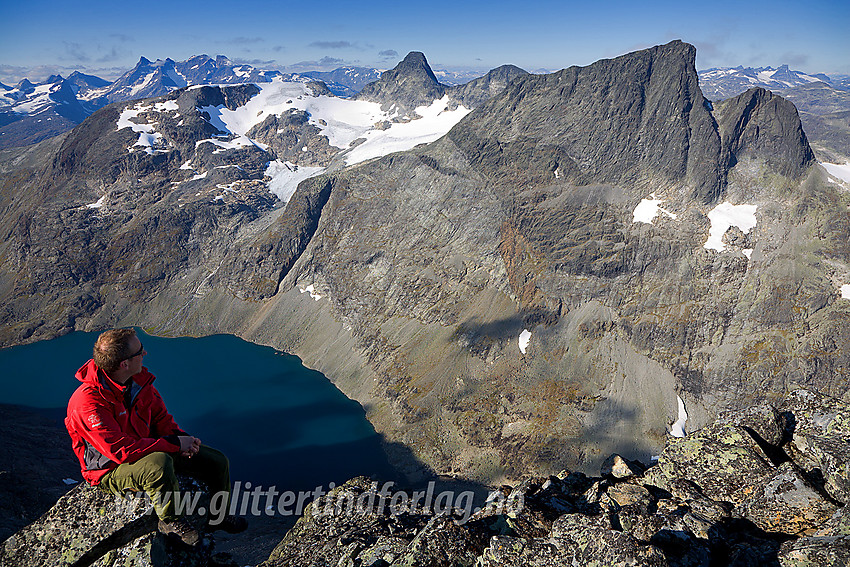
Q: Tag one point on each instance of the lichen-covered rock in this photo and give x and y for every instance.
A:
(591, 546)
(816, 552)
(87, 526)
(820, 439)
(787, 503)
(722, 459)
(837, 525)
(351, 526)
(443, 543)
(629, 494)
(763, 420)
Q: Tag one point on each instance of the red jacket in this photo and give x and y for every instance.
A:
(105, 432)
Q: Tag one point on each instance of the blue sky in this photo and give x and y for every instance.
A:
(105, 38)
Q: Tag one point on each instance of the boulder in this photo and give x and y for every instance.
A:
(721, 458)
(589, 546)
(815, 551)
(618, 467)
(820, 439)
(788, 503)
(87, 526)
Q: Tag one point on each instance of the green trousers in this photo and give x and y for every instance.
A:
(156, 475)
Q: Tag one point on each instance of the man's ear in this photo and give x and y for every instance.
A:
(124, 364)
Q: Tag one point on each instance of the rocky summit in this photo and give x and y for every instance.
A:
(586, 263)
(763, 487)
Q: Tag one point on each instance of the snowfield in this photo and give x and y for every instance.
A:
(724, 216)
(648, 209)
(838, 170)
(341, 120)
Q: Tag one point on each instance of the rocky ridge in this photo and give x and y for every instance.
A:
(768, 486)
(430, 264)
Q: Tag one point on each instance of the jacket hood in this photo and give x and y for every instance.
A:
(90, 374)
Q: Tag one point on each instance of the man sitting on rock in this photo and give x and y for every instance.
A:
(126, 440)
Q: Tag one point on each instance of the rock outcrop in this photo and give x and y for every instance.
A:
(752, 488)
(87, 527)
(714, 498)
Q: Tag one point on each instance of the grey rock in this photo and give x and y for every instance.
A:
(410, 84)
(759, 124)
(618, 467)
(628, 494)
(87, 526)
(763, 420)
(820, 429)
(588, 547)
(788, 503)
(474, 93)
(815, 551)
(519, 126)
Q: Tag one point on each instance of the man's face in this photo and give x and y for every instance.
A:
(134, 363)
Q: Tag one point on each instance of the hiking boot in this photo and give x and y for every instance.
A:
(231, 524)
(181, 529)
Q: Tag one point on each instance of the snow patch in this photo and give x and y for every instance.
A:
(845, 291)
(648, 209)
(149, 138)
(97, 204)
(838, 170)
(138, 88)
(341, 120)
(312, 291)
(167, 106)
(286, 176)
(199, 176)
(724, 216)
(678, 428)
(524, 337)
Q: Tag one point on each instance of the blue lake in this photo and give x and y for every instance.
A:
(280, 423)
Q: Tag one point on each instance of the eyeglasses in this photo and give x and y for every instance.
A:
(138, 352)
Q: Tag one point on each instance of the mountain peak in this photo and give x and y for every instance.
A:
(143, 61)
(24, 85)
(410, 84)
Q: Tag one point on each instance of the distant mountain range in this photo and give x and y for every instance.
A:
(725, 82)
(32, 112)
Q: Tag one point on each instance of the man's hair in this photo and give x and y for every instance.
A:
(112, 347)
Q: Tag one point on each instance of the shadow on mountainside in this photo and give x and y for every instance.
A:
(35, 457)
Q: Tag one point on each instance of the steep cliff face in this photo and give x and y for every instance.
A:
(759, 124)
(630, 120)
(641, 244)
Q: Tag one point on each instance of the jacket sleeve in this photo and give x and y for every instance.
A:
(96, 425)
(162, 423)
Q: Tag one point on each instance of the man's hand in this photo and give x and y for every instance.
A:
(189, 445)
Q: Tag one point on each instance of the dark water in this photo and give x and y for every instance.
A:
(280, 423)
